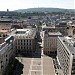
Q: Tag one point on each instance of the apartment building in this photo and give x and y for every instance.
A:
(67, 28)
(49, 42)
(5, 24)
(25, 40)
(66, 55)
(7, 52)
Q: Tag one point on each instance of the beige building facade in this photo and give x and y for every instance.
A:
(49, 42)
(25, 40)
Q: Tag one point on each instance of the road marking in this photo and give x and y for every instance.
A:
(37, 65)
(53, 66)
(35, 70)
(42, 65)
(42, 61)
(30, 67)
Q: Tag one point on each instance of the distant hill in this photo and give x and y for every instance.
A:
(30, 10)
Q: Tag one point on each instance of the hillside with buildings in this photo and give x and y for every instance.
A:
(47, 10)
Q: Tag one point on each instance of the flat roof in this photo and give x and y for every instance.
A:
(44, 26)
(54, 33)
(26, 32)
(5, 43)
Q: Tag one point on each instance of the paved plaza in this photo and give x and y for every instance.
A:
(37, 66)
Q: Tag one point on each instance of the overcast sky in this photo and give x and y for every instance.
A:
(24, 4)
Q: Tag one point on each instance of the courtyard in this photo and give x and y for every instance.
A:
(36, 66)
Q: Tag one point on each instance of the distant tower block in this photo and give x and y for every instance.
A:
(7, 10)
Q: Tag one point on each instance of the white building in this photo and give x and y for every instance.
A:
(7, 52)
(66, 55)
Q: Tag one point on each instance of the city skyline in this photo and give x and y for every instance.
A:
(24, 4)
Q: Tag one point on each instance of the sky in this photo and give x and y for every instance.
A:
(24, 4)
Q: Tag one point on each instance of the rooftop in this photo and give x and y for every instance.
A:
(26, 32)
(54, 34)
(48, 26)
(6, 42)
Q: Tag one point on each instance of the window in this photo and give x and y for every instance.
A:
(24, 47)
(27, 40)
(30, 40)
(24, 41)
(21, 47)
(16, 47)
(30, 43)
(21, 41)
(27, 43)
(6, 55)
(1, 61)
(1, 66)
(3, 35)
